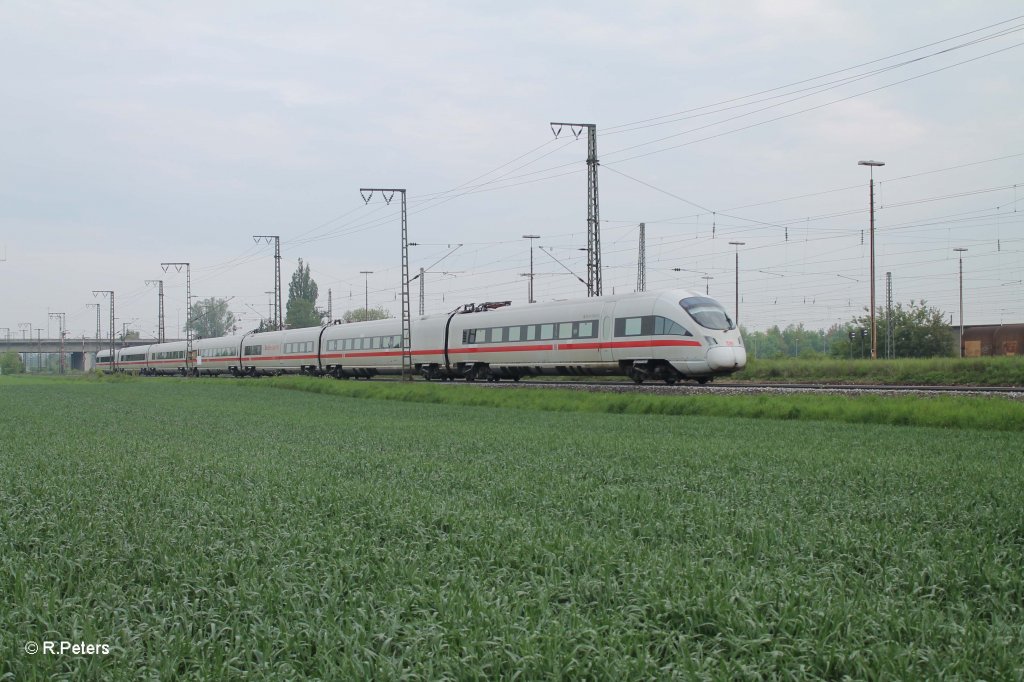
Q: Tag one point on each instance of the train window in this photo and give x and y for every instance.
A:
(468, 336)
(497, 335)
(547, 331)
(375, 342)
(670, 328)
(586, 330)
(513, 333)
(565, 330)
(707, 312)
(397, 343)
(531, 332)
(628, 326)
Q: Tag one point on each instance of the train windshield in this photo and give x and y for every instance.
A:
(707, 312)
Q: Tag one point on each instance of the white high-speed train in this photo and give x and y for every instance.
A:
(665, 335)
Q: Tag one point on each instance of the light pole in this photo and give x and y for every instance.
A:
(531, 237)
(960, 250)
(707, 284)
(874, 329)
(737, 245)
(366, 293)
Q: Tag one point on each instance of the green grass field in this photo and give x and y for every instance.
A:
(211, 530)
(983, 371)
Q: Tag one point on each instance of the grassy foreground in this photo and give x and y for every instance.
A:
(985, 371)
(207, 530)
(991, 413)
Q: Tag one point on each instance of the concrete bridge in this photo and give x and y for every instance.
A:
(80, 352)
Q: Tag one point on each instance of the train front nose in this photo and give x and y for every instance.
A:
(726, 358)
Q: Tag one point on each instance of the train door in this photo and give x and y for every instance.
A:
(607, 331)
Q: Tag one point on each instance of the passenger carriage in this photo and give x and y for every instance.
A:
(167, 359)
(667, 335)
(221, 355)
(289, 351)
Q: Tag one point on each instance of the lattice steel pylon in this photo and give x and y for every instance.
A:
(593, 208)
(113, 358)
(188, 310)
(641, 261)
(161, 330)
(423, 291)
(97, 307)
(890, 331)
(388, 194)
(61, 320)
(278, 313)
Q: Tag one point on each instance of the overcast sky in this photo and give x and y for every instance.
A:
(136, 133)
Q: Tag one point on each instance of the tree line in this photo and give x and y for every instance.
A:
(918, 331)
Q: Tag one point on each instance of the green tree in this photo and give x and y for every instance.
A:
(266, 325)
(10, 363)
(363, 314)
(301, 309)
(211, 317)
(764, 345)
(919, 331)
